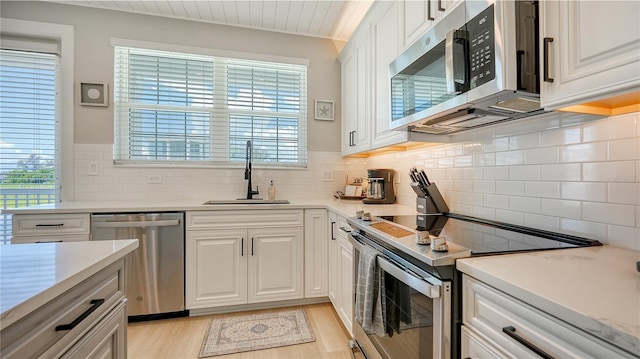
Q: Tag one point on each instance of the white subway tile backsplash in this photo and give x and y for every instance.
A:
(496, 201)
(524, 173)
(509, 158)
(484, 160)
(524, 204)
(541, 221)
(541, 155)
(554, 171)
(584, 191)
(584, 152)
(627, 237)
(561, 172)
(562, 208)
(618, 171)
(513, 188)
(619, 214)
(562, 136)
(591, 230)
(496, 173)
(626, 149)
(542, 189)
(624, 193)
(529, 140)
(612, 128)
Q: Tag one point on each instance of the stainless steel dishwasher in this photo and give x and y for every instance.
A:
(155, 271)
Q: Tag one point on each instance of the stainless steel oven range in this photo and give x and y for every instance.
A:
(407, 301)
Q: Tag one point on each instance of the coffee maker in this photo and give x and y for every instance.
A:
(380, 189)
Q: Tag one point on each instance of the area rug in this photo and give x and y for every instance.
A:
(237, 334)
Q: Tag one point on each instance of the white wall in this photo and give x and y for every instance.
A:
(582, 179)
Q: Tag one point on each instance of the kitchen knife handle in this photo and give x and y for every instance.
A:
(547, 41)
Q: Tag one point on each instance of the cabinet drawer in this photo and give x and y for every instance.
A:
(50, 224)
(507, 322)
(50, 239)
(50, 330)
(473, 346)
(244, 219)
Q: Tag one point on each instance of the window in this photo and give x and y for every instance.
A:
(28, 131)
(184, 109)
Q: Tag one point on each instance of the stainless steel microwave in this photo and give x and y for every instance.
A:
(477, 66)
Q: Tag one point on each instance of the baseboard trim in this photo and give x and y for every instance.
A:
(257, 306)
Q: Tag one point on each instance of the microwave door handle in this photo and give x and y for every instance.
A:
(453, 37)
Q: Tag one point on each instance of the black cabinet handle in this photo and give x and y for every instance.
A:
(251, 245)
(50, 225)
(429, 17)
(333, 234)
(95, 303)
(60, 241)
(345, 230)
(440, 7)
(242, 248)
(511, 331)
(547, 41)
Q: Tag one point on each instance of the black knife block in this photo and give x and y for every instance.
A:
(430, 200)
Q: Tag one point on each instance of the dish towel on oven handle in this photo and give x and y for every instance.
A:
(369, 284)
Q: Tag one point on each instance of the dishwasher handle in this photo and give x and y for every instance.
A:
(133, 224)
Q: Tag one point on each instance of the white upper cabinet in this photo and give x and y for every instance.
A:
(385, 49)
(356, 95)
(590, 50)
(416, 17)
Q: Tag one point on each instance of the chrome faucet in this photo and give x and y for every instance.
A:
(247, 173)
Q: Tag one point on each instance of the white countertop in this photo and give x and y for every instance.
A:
(596, 289)
(344, 207)
(33, 274)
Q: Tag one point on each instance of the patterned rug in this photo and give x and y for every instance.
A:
(237, 334)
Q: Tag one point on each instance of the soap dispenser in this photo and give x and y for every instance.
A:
(272, 191)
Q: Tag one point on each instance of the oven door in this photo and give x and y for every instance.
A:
(416, 312)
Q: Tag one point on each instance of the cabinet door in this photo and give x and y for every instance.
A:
(315, 253)
(356, 84)
(333, 258)
(595, 50)
(385, 37)
(276, 264)
(216, 268)
(345, 273)
(414, 19)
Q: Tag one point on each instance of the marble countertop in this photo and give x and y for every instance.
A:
(596, 289)
(346, 208)
(33, 274)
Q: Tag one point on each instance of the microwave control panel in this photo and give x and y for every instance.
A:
(481, 35)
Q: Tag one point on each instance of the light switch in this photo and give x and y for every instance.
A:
(93, 168)
(327, 176)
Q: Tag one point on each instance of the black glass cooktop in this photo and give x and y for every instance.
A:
(485, 237)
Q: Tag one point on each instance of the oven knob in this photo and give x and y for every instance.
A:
(439, 244)
(423, 237)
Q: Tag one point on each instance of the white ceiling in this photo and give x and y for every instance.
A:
(331, 19)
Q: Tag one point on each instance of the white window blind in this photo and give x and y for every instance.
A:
(177, 108)
(28, 131)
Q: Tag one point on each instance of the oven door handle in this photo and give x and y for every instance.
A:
(410, 279)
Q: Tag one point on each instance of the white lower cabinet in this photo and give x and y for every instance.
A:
(87, 321)
(341, 269)
(497, 325)
(231, 266)
(45, 228)
(316, 247)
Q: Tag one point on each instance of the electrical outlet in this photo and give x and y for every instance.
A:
(154, 179)
(327, 176)
(93, 168)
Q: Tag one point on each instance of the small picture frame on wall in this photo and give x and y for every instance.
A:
(324, 110)
(94, 94)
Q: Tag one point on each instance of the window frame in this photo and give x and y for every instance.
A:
(64, 34)
(217, 128)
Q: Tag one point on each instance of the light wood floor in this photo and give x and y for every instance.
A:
(181, 338)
